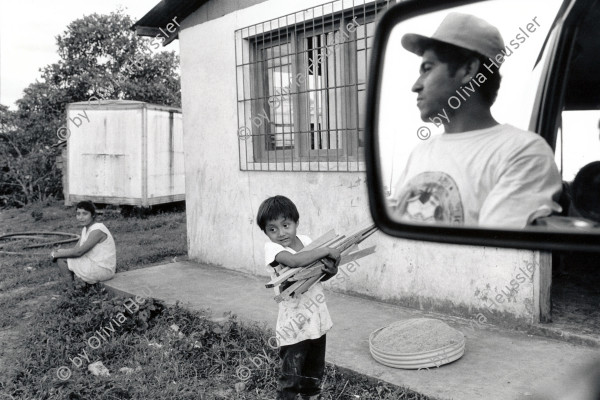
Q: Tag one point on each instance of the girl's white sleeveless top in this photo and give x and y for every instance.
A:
(103, 254)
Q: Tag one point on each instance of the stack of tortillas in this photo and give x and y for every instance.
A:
(417, 343)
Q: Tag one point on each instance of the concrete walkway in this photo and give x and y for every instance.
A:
(498, 364)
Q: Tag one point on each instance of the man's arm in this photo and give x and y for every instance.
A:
(305, 258)
(528, 187)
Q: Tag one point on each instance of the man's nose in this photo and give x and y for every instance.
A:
(417, 86)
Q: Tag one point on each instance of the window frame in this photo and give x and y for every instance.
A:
(339, 91)
(344, 52)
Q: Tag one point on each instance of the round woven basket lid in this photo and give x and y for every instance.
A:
(417, 343)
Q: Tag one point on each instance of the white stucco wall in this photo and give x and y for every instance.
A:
(222, 200)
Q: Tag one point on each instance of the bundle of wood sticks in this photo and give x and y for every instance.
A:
(302, 279)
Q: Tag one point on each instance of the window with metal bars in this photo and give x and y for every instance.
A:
(301, 83)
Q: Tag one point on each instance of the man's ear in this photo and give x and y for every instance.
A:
(469, 70)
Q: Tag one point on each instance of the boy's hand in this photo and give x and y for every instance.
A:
(335, 255)
(330, 268)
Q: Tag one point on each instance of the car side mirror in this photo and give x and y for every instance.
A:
(450, 157)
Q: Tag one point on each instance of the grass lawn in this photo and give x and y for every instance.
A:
(50, 333)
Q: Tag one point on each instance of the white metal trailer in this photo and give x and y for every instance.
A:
(124, 152)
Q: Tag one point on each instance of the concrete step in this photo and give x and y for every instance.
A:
(497, 364)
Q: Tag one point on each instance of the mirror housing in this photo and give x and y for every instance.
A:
(551, 233)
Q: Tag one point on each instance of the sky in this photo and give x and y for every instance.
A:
(28, 30)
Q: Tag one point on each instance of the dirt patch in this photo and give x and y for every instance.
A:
(10, 338)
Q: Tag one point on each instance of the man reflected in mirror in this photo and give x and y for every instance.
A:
(478, 172)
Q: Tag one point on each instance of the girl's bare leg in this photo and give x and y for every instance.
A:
(64, 269)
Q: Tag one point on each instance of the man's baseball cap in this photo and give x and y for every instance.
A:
(462, 30)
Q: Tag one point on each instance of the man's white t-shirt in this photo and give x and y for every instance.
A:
(498, 177)
(304, 316)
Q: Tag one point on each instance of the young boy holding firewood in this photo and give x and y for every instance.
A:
(303, 319)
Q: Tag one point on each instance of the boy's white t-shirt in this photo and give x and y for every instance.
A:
(304, 316)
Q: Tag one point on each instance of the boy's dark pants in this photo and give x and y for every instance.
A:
(302, 368)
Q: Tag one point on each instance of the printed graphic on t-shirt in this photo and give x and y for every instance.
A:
(430, 197)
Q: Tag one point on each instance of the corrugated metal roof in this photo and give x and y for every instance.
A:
(160, 21)
(164, 12)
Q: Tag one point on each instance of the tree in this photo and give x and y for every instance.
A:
(100, 58)
(27, 170)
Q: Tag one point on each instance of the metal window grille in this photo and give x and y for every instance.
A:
(301, 88)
